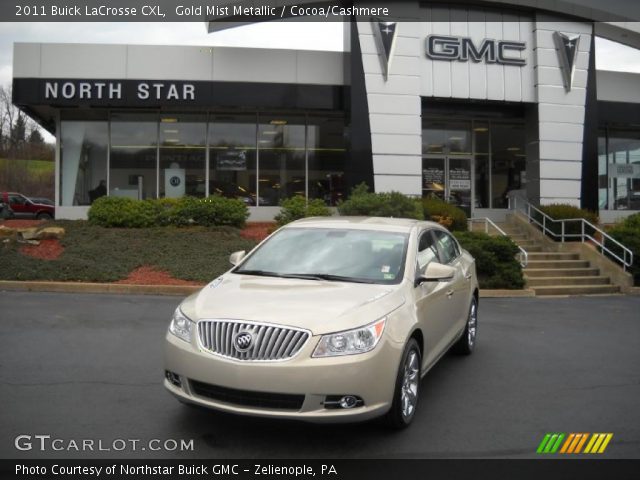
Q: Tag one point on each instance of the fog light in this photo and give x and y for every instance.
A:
(173, 378)
(348, 401)
(336, 402)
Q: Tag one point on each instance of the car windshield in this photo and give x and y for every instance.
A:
(361, 256)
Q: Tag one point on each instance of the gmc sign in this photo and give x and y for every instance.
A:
(445, 47)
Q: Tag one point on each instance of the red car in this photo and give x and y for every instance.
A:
(24, 207)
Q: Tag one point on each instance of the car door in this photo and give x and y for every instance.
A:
(450, 254)
(19, 205)
(432, 300)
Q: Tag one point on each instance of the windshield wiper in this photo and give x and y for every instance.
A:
(327, 276)
(260, 273)
(305, 276)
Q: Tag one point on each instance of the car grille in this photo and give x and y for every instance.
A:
(248, 398)
(269, 342)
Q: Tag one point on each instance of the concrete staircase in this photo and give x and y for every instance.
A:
(556, 273)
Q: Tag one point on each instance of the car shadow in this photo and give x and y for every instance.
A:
(228, 434)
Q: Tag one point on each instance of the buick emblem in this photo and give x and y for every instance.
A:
(243, 341)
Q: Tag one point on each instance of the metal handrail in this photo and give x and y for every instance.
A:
(526, 207)
(523, 255)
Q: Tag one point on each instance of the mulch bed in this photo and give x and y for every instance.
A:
(49, 249)
(147, 275)
(258, 231)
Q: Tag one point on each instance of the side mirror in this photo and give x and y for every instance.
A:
(436, 272)
(236, 257)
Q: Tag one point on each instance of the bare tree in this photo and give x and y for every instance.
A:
(9, 113)
(3, 122)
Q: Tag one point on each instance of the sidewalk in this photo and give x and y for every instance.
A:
(182, 290)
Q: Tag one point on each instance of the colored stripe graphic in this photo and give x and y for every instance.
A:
(543, 443)
(550, 443)
(598, 442)
(572, 443)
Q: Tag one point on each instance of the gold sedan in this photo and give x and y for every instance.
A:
(329, 319)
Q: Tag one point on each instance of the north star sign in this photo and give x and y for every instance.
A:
(90, 90)
(463, 49)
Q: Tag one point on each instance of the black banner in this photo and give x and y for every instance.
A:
(62, 92)
(401, 469)
(249, 11)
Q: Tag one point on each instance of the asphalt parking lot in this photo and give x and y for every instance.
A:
(90, 367)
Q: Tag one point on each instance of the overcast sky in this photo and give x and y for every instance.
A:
(298, 35)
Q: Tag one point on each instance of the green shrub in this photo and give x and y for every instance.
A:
(627, 232)
(561, 211)
(496, 262)
(129, 213)
(298, 207)
(226, 211)
(123, 212)
(445, 214)
(361, 202)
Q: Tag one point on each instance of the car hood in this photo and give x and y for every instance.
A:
(317, 305)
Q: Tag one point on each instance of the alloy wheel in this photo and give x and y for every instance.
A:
(410, 379)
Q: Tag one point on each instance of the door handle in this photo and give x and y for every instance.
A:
(449, 293)
(468, 276)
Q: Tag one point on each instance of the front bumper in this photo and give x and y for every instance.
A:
(370, 376)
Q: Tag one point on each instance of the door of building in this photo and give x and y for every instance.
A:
(450, 178)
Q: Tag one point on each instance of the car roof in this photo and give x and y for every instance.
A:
(363, 223)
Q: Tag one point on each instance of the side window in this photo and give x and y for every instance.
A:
(427, 251)
(447, 246)
(16, 200)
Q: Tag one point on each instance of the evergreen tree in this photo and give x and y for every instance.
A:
(35, 137)
(19, 132)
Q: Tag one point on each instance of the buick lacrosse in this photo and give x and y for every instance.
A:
(329, 319)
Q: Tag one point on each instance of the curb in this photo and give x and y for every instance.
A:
(178, 290)
(486, 293)
(79, 287)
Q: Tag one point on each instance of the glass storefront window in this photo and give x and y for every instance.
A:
(482, 172)
(326, 153)
(183, 155)
(151, 155)
(232, 157)
(133, 163)
(446, 137)
(602, 170)
(482, 181)
(281, 143)
(433, 177)
(83, 161)
(508, 161)
(622, 169)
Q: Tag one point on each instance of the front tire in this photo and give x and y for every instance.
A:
(407, 389)
(467, 342)
(44, 216)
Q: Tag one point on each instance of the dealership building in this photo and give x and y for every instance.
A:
(464, 102)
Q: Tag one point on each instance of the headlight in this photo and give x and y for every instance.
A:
(181, 325)
(350, 342)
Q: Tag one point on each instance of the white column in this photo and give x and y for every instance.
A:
(72, 138)
(560, 112)
(394, 110)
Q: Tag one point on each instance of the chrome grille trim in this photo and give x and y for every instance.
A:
(271, 342)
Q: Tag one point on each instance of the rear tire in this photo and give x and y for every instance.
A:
(407, 389)
(44, 216)
(467, 342)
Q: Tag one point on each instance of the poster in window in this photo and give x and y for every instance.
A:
(232, 160)
(460, 178)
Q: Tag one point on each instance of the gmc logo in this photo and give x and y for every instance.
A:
(444, 47)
